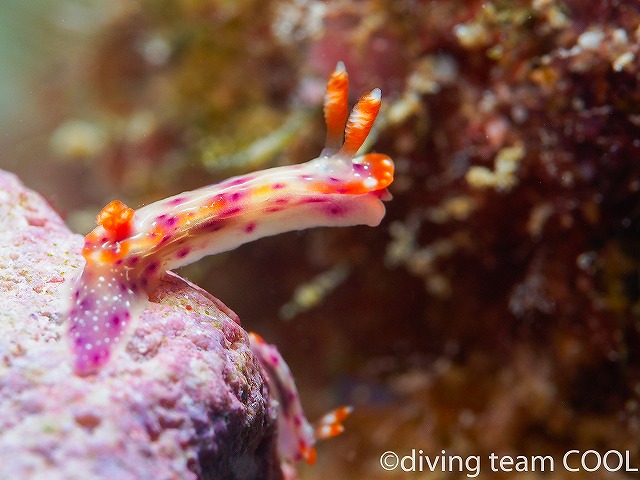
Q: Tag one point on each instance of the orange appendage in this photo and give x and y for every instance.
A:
(336, 105)
(380, 167)
(331, 424)
(360, 122)
(308, 453)
(117, 219)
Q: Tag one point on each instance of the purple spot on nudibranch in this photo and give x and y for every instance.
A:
(335, 210)
(297, 420)
(231, 211)
(212, 225)
(96, 358)
(171, 221)
(314, 200)
(183, 252)
(250, 227)
(133, 261)
(165, 239)
(278, 186)
(152, 268)
(236, 196)
(274, 359)
(276, 205)
(334, 179)
(115, 321)
(239, 181)
(357, 168)
(120, 261)
(176, 201)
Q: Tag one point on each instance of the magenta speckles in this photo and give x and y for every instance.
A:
(151, 269)
(230, 212)
(171, 221)
(236, 196)
(336, 210)
(175, 201)
(212, 226)
(234, 182)
(94, 331)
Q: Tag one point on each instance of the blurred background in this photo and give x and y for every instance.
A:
(496, 309)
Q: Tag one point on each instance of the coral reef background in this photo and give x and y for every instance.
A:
(495, 310)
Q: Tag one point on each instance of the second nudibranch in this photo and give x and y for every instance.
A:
(129, 250)
(296, 436)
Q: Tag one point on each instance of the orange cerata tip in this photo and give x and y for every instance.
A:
(116, 218)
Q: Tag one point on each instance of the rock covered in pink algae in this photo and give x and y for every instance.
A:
(184, 401)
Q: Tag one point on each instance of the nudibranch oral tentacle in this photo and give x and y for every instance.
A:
(296, 436)
(129, 250)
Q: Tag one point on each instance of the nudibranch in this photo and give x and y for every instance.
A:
(129, 250)
(296, 436)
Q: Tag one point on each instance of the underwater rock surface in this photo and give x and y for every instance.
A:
(185, 400)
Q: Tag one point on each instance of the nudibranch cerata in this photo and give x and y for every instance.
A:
(129, 250)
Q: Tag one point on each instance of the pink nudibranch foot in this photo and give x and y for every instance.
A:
(128, 251)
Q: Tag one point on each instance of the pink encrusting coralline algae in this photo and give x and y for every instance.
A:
(130, 250)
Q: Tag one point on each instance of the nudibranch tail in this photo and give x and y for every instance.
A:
(296, 436)
(105, 302)
(336, 109)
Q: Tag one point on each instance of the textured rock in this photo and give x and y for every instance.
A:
(185, 400)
